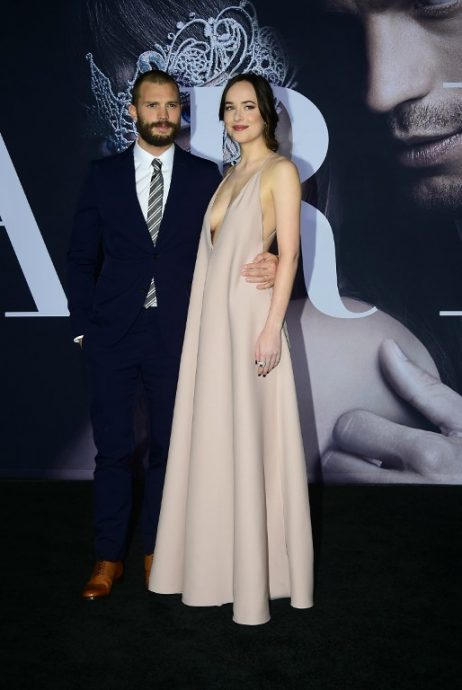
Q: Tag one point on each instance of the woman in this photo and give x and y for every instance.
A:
(235, 522)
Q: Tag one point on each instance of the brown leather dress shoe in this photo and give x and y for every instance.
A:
(147, 567)
(104, 574)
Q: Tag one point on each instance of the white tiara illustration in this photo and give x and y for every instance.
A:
(202, 52)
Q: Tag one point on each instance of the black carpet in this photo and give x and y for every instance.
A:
(387, 609)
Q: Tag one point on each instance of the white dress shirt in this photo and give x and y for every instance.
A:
(143, 173)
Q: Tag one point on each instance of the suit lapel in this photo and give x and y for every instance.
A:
(175, 197)
(124, 199)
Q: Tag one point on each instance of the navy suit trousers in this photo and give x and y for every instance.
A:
(115, 372)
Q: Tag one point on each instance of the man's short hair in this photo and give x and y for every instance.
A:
(153, 76)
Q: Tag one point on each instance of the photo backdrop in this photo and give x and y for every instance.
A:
(381, 240)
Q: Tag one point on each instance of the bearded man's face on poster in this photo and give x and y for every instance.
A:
(413, 52)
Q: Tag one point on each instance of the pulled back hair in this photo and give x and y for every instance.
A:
(265, 102)
(153, 76)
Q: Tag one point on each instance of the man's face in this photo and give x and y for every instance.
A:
(413, 48)
(157, 114)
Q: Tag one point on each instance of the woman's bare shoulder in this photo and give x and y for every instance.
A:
(281, 166)
(281, 176)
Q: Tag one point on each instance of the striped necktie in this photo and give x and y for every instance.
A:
(153, 219)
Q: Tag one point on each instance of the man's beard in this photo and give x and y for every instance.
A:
(145, 130)
(431, 190)
(438, 193)
(419, 119)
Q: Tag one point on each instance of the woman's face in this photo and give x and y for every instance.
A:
(242, 117)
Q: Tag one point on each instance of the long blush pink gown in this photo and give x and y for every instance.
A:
(235, 520)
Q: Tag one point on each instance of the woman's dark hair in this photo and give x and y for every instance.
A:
(265, 102)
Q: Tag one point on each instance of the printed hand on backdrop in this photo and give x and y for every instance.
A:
(372, 449)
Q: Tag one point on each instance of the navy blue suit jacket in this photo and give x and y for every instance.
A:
(112, 259)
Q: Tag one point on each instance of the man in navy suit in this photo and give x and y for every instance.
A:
(113, 265)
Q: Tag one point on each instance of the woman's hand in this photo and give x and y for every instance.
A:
(268, 350)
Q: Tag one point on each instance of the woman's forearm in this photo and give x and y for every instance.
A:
(283, 283)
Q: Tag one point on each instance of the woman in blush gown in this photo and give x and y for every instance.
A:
(235, 520)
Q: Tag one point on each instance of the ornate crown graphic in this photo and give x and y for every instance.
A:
(202, 52)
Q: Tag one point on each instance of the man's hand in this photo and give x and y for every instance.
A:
(261, 271)
(375, 450)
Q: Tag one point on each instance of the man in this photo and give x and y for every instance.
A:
(413, 59)
(131, 261)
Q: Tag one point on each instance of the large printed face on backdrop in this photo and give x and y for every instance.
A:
(414, 59)
(202, 45)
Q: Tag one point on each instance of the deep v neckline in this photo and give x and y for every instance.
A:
(217, 231)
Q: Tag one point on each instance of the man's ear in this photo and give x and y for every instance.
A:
(133, 113)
